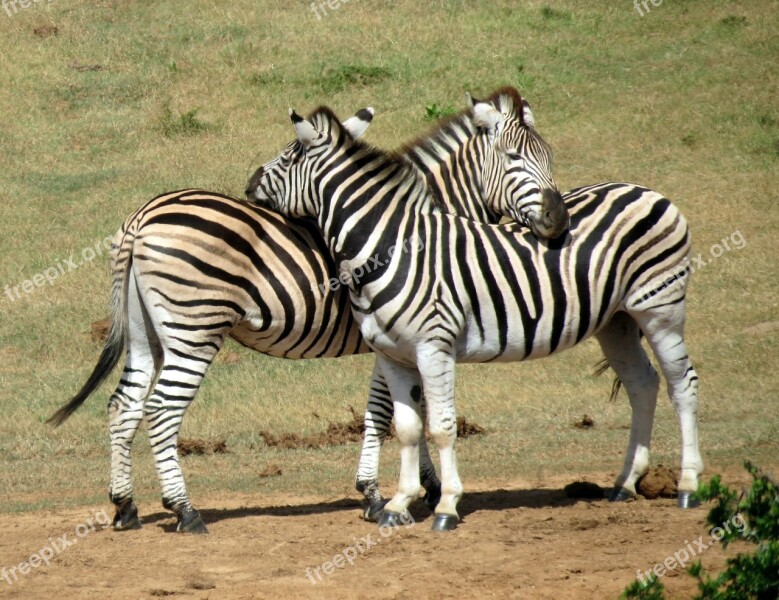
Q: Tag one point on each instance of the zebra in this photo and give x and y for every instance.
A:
(192, 266)
(471, 292)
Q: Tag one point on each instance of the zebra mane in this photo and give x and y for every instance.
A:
(323, 117)
(506, 99)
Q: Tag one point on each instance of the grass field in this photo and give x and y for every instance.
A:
(106, 104)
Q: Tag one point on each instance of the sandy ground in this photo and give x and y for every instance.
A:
(521, 540)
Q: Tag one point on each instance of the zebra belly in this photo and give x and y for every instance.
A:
(327, 340)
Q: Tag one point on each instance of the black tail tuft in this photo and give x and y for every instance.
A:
(600, 368)
(112, 352)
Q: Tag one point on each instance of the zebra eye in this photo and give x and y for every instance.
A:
(514, 155)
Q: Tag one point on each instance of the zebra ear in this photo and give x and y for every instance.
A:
(470, 101)
(527, 114)
(306, 132)
(356, 125)
(486, 116)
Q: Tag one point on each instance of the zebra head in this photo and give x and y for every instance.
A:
(280, 183)
(517, 174)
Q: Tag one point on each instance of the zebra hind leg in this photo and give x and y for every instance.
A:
(620, 340)
(180, 378)
(125, 409)
(664, 329)
(378, 416)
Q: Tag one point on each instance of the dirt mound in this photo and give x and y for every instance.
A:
(585, 423)
(466, 429)
(336, 434)
(659, 482)
(270, 471)
(347, 433)
(99, 330)
(195, 446)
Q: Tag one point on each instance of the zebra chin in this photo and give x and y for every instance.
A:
(552, 220)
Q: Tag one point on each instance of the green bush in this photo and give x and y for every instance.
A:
(747, 576)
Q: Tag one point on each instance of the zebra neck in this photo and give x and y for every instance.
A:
(360, 218)
(452, 158)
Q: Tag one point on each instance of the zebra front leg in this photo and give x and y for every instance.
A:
(430, 481)
(405, 386)
(378, 417)
(437, 369)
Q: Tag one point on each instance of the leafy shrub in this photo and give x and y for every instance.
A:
(747, 576)
(433, 112)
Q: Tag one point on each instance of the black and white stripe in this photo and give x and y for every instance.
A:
(472, 292)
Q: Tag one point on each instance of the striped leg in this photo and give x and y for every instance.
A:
(437, 369)
(405, 386)
(621, 343)
(125, 410)
(664, 329)
(180, 378)
(378, 417)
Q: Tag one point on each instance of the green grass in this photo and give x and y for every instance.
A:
(682, 100)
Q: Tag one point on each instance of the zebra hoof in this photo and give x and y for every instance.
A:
(126, 517)
(620, 494)
(373, 510)
(433, 496)
(191, 522)
(390, 518)
(687, 500)
(445, 522)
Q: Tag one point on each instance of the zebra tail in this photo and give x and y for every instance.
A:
(114, 345)
(600, 368)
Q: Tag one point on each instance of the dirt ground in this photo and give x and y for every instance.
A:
(521, 539)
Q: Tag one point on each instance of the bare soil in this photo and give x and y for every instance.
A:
(518, 539)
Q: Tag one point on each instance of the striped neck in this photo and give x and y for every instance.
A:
(451, 157)
(369, 196)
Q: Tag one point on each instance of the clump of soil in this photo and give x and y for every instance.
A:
(196, 446)
(336, 434)
(46, 30)
(585, 423)
(228, 358)
(659, 482)
(270, 471)
(466, 429)
(583, 489)
(99, 330)
(346, 433)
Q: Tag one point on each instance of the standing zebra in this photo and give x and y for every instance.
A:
(480, 293)
(191, 267)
